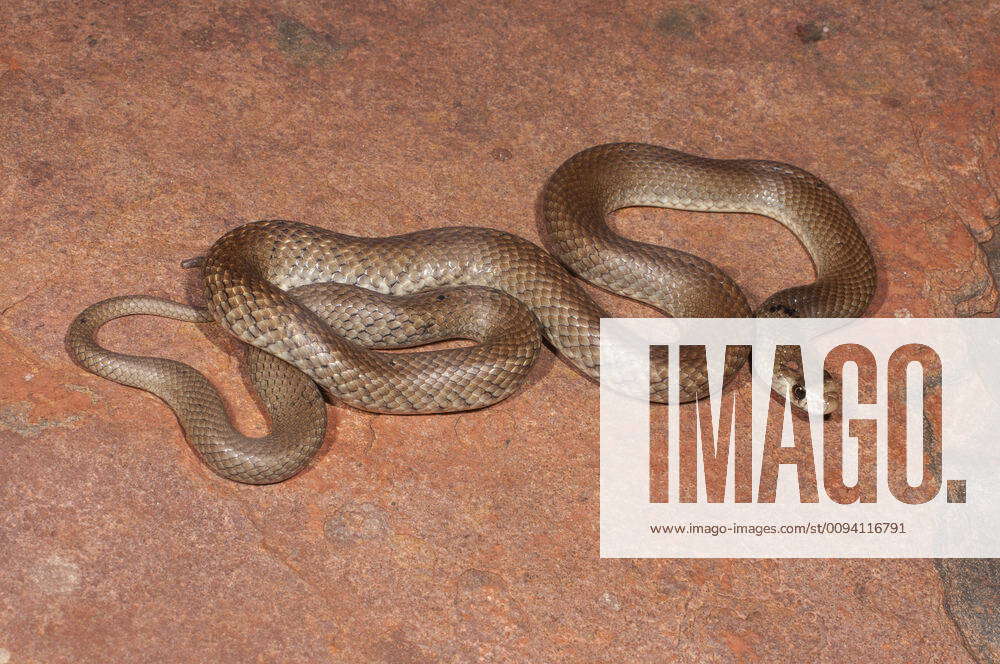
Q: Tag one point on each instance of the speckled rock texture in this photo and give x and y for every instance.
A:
(134, 134)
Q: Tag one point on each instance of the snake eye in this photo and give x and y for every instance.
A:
(799, 392)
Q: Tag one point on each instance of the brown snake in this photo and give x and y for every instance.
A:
(315, 302)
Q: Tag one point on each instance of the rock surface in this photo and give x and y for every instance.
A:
(134, 134)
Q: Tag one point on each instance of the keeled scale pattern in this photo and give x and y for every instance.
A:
(249, 270)
(508, 344)
(599, 180)
(294, 406)
(288, 289)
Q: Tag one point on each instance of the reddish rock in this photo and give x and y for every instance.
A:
(134, 134)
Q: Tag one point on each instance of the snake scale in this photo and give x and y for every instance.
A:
(315, 307)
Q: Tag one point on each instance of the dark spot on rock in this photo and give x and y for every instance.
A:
(991, 249)
(932, 379)
(473, 120)
(91, 40)
(355, 521)
(398, 650)
(39, 172)
(203, 38)
(670, 584)
(956, 491)
(892, 102)
(291, 34)
(305, 44)
(968, 298)
(474, 579)
(673, 21)
(683, 21)
(970, 601)
(442, 298)
(502, 154)
(811, 32)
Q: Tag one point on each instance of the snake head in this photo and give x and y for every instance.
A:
(790, 382)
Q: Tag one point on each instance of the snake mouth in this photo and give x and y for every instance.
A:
(828, 402)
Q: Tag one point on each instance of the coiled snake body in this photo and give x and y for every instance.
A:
(314, 305)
